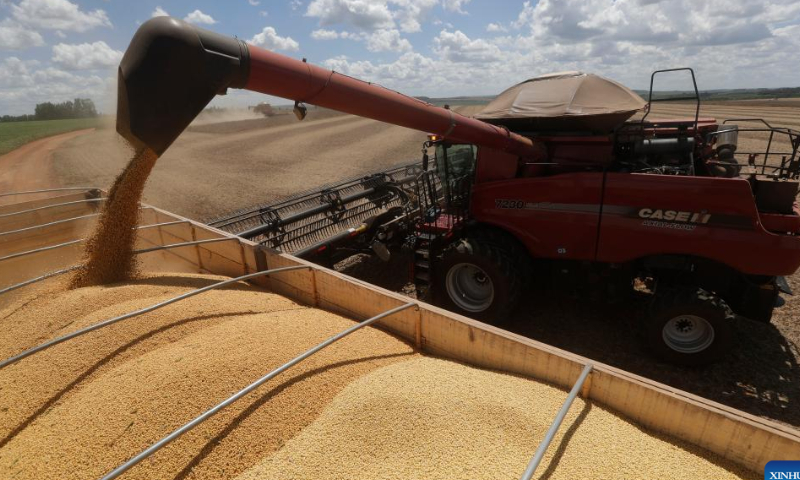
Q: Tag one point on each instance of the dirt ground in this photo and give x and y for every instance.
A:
(217, 168)
(29, 167)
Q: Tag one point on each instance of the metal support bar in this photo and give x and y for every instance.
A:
(136, 252)
(75, 202)
(185, 244)
(42, 249)
(241, 393)
(64, 189)
(50, 224)
(537, 457)
(143, 227)
(39, 278)
(142, 311)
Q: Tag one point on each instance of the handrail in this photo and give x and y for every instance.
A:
(63, 189)
(136, 252)
(80, 240)
(241, 393)
(48, 224)
(86, 200)
(110, 321)
(551, 432)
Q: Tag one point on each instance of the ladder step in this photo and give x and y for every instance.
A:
(423, 264)
(424, 276)
(424, 253)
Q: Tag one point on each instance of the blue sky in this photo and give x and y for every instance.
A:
(60, 49)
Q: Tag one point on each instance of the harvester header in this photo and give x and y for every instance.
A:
(172, 70)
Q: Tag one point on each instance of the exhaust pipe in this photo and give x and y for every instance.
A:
(172, 70)
(168, 75)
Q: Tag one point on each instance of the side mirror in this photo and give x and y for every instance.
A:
(425, 160)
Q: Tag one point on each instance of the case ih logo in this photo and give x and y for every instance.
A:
(675, 216)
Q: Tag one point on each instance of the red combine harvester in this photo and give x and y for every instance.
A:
(594, 204)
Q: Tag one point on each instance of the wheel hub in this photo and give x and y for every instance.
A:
(688, 334)
(469, 287)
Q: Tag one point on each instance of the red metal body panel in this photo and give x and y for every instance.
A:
(733, 235)
(554, 217)
(559, 217)
(780, 223)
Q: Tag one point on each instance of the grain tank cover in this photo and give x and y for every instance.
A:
(566, 101)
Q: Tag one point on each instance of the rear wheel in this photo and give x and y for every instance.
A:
(479, 279)
(689, 326)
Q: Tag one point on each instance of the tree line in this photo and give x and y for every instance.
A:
(79, 108)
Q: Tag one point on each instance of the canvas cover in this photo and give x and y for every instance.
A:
(571, 99)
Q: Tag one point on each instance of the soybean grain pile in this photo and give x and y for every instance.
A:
(83, 407)
(427, 418)
(367, 407)
(109, 252)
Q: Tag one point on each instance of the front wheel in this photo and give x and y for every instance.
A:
(689, 326)
(479, 279)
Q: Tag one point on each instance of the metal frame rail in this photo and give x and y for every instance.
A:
(110, 321)
(789, 161)
(241, 393)
(74, 202)
(46, 190)
(49, 224)
(136, 252)
(551, 433)
(80, 240)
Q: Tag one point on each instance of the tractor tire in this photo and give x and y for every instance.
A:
(478, 279)
(689, 327)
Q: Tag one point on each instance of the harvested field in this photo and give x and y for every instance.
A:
(366, 407)
(206, 174)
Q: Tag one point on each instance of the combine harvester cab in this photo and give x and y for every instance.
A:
(167, 242)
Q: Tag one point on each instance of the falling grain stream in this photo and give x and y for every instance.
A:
(109, 252)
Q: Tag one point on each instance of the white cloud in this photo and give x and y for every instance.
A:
(456, 6)
(295, 4)
(739, 46)
(457, 47)
(86, 56)
(371, 15)
(387, 41)
(378, 41)
(323, 34)
(58, 15)
(496, 27)
(263, 13)
(14, 36)
(198, 17)
(254, 3)
(159, 12)
(269, 38)
(411, 13)
(362, 14)
(23, 83)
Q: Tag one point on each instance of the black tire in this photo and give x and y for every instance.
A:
(484, 261)
(689, 327)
